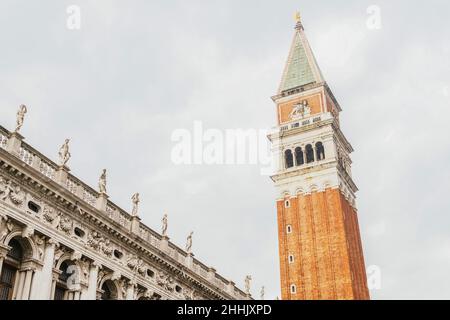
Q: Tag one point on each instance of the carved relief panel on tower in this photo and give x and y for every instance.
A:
(300, 108)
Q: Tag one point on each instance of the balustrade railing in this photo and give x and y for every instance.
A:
(118, 215)
(3, 139)
(89, 196)
(26, 156)
(72, 185)
(306, 122)
(47, 169)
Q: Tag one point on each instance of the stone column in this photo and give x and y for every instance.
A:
(19, 284)
(55, 276)
(14, 143)
(73, 295)
(77, 295)
(3, 252)
(92, 287)
(42, 286)
(304, 154)
(28, 278)
(130, 291)
(83, 292)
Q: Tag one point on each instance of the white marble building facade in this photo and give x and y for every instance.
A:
(61, 239)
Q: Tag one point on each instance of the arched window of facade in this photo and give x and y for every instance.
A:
(10, 268)
(320, 151)
(309, 154)
(66, 281)
(109, 291)
(289, 159)
(299, 160)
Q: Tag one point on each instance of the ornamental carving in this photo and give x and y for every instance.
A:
(136, 265)
(49, 214)
(300, 111)
(123, 285)
(28, 232)
(65, 225)
(6, 226)
(147, 294)
(94, 240)
(59, 253)
(165, 281)
(107, 248)
(99, 243)
(12, 192)
(84, 264)
(188, 294)
(57, 220)
(132, 262)
(101, 274)
(40, 244)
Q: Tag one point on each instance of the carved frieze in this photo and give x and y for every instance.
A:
(11, 191)
(65, 224)
(100, 243)
(107, 247)
(94, 240)
(40, 244)
(49, 214)
(6, 226)
(85, 264)
(165, 281)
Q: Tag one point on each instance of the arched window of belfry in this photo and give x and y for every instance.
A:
(309, 153)
(320, 151)
(289, 159)
(299, 160)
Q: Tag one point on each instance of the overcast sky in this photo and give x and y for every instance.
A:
(138, 70)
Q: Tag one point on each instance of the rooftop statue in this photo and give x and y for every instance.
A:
(135, 200)
(64, 154)
(189, 242)
(102, 182)
(20, 117)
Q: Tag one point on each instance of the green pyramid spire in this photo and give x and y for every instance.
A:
(301, 67)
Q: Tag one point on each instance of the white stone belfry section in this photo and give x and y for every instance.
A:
(301, 80)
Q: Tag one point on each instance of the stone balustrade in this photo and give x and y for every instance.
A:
(4, 134)
(307, 121)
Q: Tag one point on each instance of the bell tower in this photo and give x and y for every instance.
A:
(320, 247)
